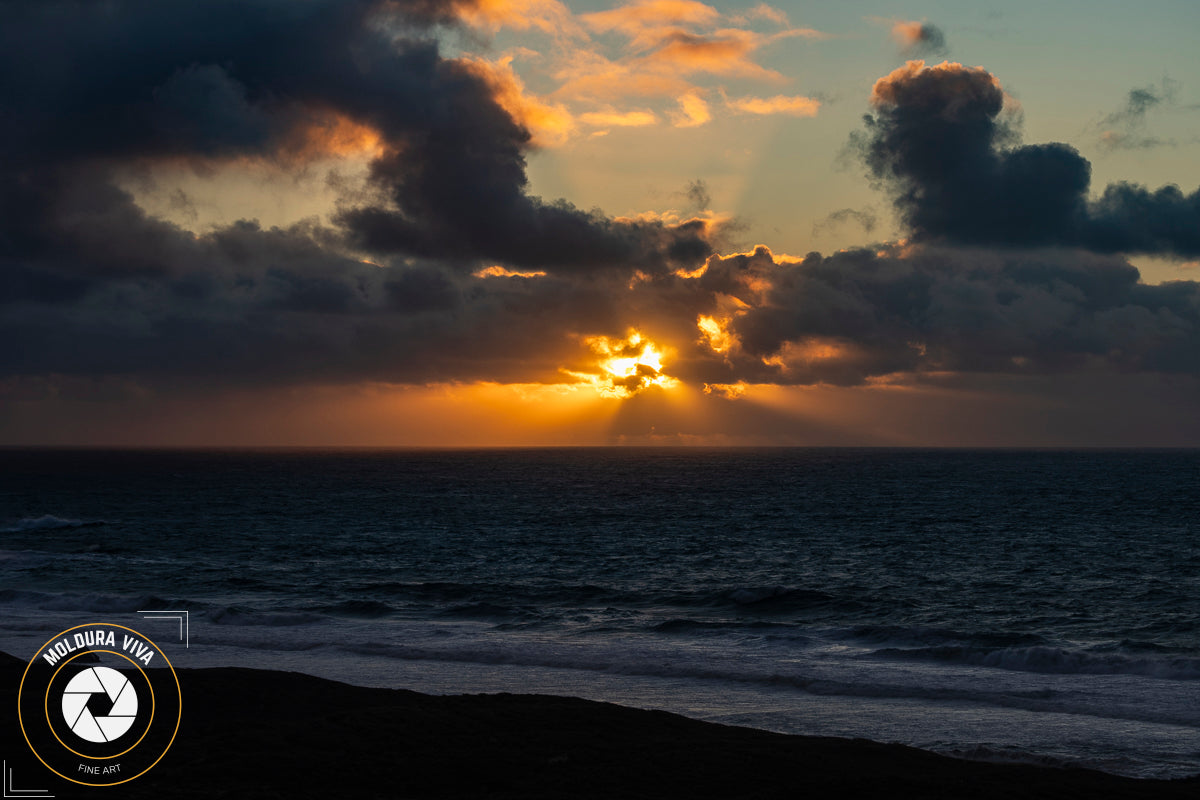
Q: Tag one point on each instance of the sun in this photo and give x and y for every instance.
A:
(626, 366)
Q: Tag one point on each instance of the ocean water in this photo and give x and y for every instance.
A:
(1006, 605)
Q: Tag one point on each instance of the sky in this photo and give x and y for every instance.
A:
(547, 222)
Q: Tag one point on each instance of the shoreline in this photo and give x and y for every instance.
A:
(249, 732)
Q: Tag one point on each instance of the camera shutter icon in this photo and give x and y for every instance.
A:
(78, 704)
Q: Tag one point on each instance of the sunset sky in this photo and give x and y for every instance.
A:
(534, 222)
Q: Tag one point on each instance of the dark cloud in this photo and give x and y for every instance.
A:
(1129, 217)
(855, 315)
(253, 306)
(90, 284)
(88, 86)
(940, 141)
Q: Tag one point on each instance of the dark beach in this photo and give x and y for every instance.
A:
(255, 733)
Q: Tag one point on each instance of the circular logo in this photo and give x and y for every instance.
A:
(79, 709)
(99, 704)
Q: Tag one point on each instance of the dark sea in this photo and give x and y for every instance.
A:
(1004, 605)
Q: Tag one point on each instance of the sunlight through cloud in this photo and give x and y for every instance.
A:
(627, 366)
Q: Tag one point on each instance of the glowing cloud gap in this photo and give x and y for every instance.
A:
(497, 271)
(627, 366)
(729, 391)
(715, 334)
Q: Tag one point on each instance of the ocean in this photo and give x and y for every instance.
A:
(1029, 606)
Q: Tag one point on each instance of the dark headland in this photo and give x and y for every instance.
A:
(252, 733)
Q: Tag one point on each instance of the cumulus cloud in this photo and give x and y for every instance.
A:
(940, 141)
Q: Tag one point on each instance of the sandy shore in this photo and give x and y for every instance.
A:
(251, 733)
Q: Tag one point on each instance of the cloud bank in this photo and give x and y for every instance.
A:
(443, 267)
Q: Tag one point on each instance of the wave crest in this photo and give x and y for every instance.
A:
(1053, 660)
(48, 522)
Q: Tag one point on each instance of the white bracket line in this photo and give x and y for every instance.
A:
(8, 786)
(185, 633)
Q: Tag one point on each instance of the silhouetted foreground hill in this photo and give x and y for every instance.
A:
(254, 733)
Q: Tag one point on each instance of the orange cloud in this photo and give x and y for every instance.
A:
(779, 104)
(806, 352)
(593, 77)
(723, 53)
(669, 44)
(624, 119)
(693, 111)
(884, 91)
(550, 125)
(669, 41)
(645, 23)
(329, 134)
